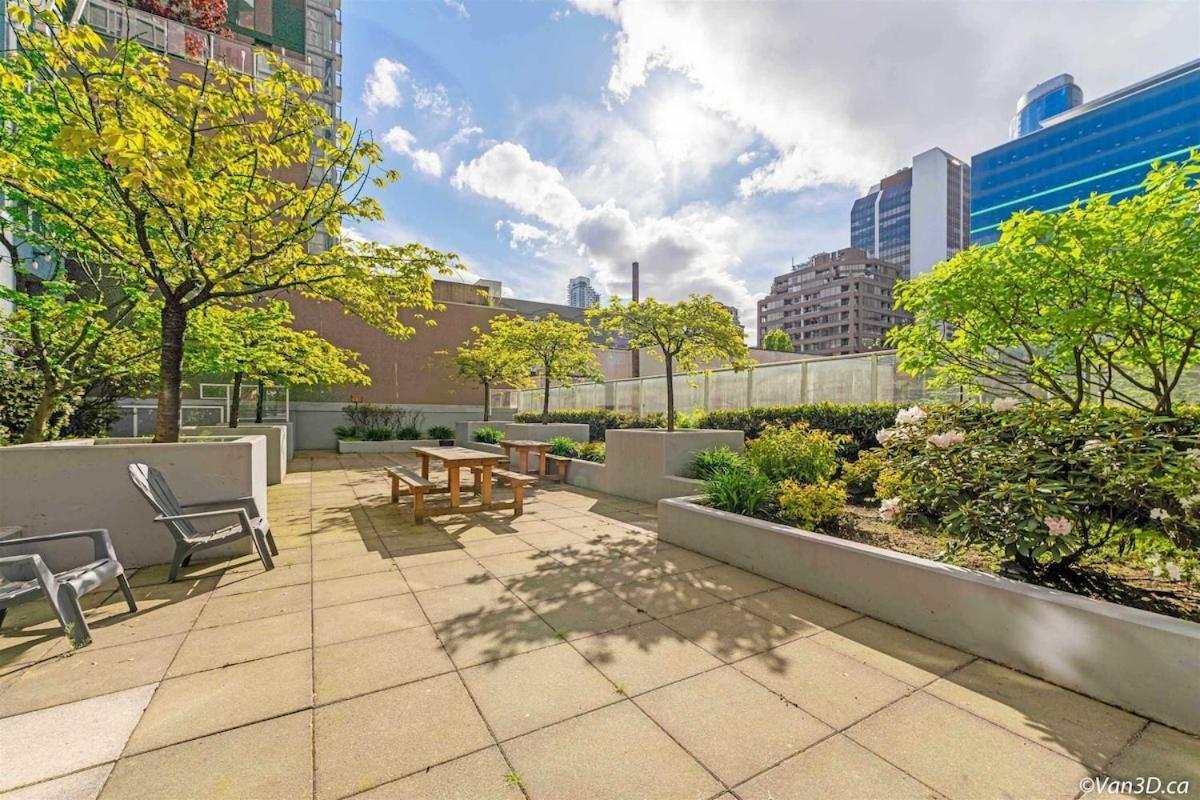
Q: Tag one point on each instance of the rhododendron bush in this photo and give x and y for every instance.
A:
(1042, 485)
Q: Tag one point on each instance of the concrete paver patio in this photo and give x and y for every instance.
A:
(564, 654)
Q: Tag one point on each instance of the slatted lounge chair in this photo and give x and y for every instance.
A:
(179, 519)
(25, 578)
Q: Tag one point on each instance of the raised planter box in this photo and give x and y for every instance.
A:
(388, 446)
(84, 483)
(1145, 662)
(647, 464)
(544, 432)
(279, 446)
(464, 432)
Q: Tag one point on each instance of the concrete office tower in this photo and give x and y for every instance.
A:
(917, 216)
(1105, 146)
(833, 304)
(1047, 99)
(580, 293)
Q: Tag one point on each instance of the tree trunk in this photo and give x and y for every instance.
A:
(235, 401)
(487, 400)
(546, 399)
(260, 402)
(670, 370)
(35, 429)
(170, 372)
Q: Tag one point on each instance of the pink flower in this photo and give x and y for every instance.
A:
(910, 416)
(1092, 444)
(1002, 405)
(1059, 526)
(890, 509)
(947, 439)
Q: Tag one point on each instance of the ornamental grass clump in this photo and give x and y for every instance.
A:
(742, 489)
(707, 463)
(563, 446)
(489, 435)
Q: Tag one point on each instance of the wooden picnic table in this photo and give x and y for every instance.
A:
(455, 459)
(524, 447)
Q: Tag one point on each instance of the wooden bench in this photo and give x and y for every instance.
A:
(561, 464)
(516, 480)
(415, 485)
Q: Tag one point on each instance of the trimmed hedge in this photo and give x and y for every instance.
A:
(598, 420)
(859, 421)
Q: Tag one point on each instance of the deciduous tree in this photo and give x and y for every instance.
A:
(552, 347)
(486, 361)
(777, 340)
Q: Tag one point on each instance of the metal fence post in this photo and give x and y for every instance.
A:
(750, 388)
(875, 377)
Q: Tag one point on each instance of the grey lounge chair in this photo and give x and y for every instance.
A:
(154, 487)
(23, 578)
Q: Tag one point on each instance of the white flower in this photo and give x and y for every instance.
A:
(1193, 455)
(910, 416)
(1159, 514)
(947, 439)
(1092, 444)
(1002, 405)
(1174, 572)
(1189, 502)
(1059, 526)
(884, 436)
(890, 509)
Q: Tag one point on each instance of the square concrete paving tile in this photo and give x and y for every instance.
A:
(292, 553)
(494, 635)
(54, 741)
(731, 724)
(519, 563)
(414, 539)
(268, 759)
(588, 614)
(1076, 726)
(363, 547)
(19, 649)
(549, 537)
(662, 597)
(84, 785)
(836, 769)
(962, 756)
(334, 624)
(88, 673)
(497, 545)
(479, 775)
(550, 584)
(358, 587)
(446, 573)
(644, 657)
(113, 624)
(467, 600)
(622, 569)
(209, 648)
(241, 582)
(255, 605)
(206, 702)
(729, 583)
(532, 690)
(832, 687)
(728, 632)
(615, 753)
(435, 554)
(906, 656)
(796, 611)
(379, 662)
(1163, 752)
(369, 740)
(676, 559)
(354, 565)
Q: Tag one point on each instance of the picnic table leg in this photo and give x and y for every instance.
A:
(454, 488)
(424, 466)
(485, 487)
(542, 463)
(419, 506)
(524, 460)
(395, 488)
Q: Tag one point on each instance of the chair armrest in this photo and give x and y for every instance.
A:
(23, 568)
(240, 513)
(248, 503)
(101, 543)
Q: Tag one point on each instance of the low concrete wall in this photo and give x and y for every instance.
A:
(464, 432)
(1147, 663)
(389, 446)
(279, 448)
(315, 421)
(645, 463)
(84, 483)
(544, 432)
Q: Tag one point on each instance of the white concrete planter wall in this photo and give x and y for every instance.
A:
(84, 483)
(464, 432)
(279, 446)
(646, 464)
(544, 432)
(389, 446)
(315, 421)
(1145, 662)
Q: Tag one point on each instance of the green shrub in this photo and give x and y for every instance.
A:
(740, 490)
(592, 451)
(563, 446)
(489, 435)
(345, 432)
(858, 421)
(811, 505)
(707, 463)
(598, 420)
(378, 434)
(408, 432)
(440, 432)
(798, 453)
(861, 474)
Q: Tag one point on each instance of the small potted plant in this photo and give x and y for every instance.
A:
(443, 434)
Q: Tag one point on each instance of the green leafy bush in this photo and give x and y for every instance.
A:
(707, 463)
(345, 432)
(441, 432)
(811, 505)
(489, 435)
(598, 420)
(591, 451)
(563, 446)
(1040, 484)
(378, 434)
(799, 453)
(858, 421)
(408, 432)
(740, 490)
(861, 474)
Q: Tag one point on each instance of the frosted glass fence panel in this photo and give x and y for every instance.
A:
(627, 396)
(778, 385)
(843, 380)
(727, 389)
(654, 395)
(689, 393)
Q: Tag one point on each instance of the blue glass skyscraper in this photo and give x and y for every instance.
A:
(1105, 146)
(1047, 99)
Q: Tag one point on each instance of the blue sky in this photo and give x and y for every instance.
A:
(711, 141)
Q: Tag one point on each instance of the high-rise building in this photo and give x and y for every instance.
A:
(580, 293)
(917, 216)
(737, 317)
(1047, 99)
(833, 304)
(1104, 146)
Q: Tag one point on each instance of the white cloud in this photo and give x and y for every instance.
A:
(459, 8)
(404, 143)
(382, 87)
(748, 157)
(463, 135)
(522, 234)
(508, 173)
